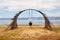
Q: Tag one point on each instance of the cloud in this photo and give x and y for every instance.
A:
(53, 14)
(13, 5)
(6, 16)
(0, 16)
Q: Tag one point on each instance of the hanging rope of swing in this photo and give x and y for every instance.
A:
(30, 14)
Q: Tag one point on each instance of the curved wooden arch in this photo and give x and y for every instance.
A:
(14, 23)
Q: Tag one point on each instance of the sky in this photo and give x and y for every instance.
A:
(8, 8)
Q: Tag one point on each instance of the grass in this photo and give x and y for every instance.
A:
(27, 33)
(57, 29)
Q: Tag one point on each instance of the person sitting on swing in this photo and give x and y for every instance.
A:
(30, 23)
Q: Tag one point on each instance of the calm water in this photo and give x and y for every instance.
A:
(7, 21)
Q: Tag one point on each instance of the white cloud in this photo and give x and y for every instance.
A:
(14, 5)
(6, 16)
(53, 14)
(0, 16)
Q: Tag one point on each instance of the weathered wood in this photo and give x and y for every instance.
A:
(14, 23)
(47, 22)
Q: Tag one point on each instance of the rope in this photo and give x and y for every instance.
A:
(29, 15)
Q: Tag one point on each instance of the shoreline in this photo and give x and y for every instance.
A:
(32, 25)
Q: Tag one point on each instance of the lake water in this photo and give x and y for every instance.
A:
(35, 21)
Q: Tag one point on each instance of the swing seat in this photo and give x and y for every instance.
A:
(30, 23)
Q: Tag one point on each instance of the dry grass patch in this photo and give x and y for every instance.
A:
(27, 33)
